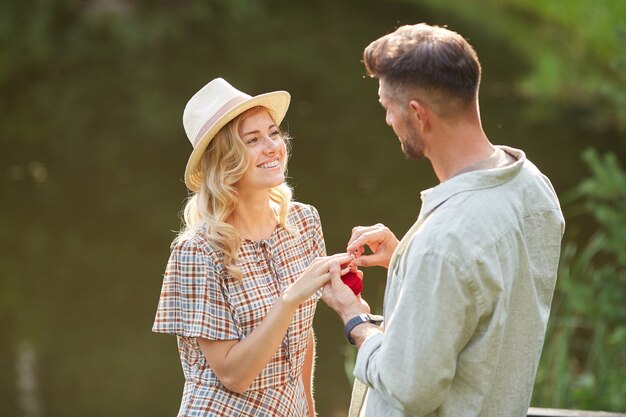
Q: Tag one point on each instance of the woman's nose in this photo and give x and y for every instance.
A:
(270, 144)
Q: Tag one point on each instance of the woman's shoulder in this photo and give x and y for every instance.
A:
(303, 212)
(194, 242)
(303, 219)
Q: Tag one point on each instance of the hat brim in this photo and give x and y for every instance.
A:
(277, 102)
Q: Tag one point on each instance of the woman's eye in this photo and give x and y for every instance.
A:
(275, 132)
(252, 140)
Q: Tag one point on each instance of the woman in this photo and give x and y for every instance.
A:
(245, 273)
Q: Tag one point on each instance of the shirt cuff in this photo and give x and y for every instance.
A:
(368, 348)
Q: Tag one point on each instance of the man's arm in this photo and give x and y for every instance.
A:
(413, 363)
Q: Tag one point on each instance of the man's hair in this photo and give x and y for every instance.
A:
(430, 59)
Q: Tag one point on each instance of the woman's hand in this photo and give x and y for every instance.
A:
(340, 297)
(314, 278)
(378, 238)
(237, 362)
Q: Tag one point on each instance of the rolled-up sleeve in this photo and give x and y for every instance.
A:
(412, 364)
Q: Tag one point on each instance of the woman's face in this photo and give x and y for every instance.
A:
(266, 152)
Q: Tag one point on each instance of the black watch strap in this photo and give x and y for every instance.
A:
(360, 319)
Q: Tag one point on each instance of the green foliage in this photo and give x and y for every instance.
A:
(583, 57)
(584, 359)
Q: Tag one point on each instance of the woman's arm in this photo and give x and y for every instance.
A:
(237, 363)
(307, 373)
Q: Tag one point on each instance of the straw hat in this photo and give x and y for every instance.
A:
(211, 108)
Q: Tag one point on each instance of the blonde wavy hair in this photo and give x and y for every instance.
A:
(222, 166)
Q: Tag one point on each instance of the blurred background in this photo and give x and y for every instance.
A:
(92, 154)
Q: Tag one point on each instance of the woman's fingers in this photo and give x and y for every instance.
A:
(319, 273)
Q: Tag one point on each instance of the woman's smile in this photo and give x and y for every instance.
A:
(270, 164)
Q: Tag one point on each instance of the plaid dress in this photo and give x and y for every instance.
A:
(198, 299)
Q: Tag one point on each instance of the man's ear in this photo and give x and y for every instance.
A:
(420, 111)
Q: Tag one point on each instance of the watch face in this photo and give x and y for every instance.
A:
(373, 318)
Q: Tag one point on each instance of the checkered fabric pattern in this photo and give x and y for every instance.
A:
(198, 299)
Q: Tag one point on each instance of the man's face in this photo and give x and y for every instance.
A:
(397, 116)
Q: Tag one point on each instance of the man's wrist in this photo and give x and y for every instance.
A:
(358, 320)
(347, 315)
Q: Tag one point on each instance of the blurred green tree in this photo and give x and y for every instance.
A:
(584, 358)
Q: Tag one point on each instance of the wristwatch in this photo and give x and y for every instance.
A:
(360, 319)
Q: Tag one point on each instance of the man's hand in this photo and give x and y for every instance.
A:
(340, 297)
(378, 238)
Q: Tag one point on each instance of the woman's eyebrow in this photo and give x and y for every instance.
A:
(270, 127)
(251, 132)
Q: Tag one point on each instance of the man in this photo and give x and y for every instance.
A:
(470, 285)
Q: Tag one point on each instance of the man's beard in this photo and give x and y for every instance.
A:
(412, 146)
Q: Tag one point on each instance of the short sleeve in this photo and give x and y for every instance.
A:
(192, 302)
(318, 244)
(319, 247)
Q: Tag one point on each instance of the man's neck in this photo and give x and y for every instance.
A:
(457, 149)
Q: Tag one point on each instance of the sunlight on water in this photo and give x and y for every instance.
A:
(27, 382)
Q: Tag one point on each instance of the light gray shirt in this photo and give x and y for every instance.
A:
(468, 297)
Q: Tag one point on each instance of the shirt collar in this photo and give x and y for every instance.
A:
(474, 180)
